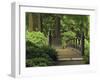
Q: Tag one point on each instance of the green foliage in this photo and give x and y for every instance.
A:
(66, 36)
(45, 51)
(33, 53)
(38, 61)
(48, 23)
(69, 35)
(87, 51)
(38, 53)
(36, 38)
(68, 23)
(75, 23)
(29, 63)
(51, 52)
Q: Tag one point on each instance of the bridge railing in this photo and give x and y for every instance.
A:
(77, 42)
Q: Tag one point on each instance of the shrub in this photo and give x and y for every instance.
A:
(38, 61)
(51, 52)
(38, 52)
(45, 52)
(29, 63)
(86, 51)
(41, 61)
(36, 38)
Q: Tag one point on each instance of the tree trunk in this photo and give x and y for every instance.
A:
(41, 27)
(50, 38)
(30, 27)
(57, 30)
(35, 22)
(39, 22)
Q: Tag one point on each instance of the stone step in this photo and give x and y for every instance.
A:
(69, 56)
(70, 62)
(66, 59)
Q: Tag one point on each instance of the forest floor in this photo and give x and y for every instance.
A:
(69, 56)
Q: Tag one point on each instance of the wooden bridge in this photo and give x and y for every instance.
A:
(69, 56)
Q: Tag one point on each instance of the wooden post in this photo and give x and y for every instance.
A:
(50, 38)
(82, 43)
(76, 43)
(79, 41)
(82, 37)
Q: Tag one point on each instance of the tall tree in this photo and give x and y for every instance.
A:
(30, 22)
(57, 30)
(34, 22)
